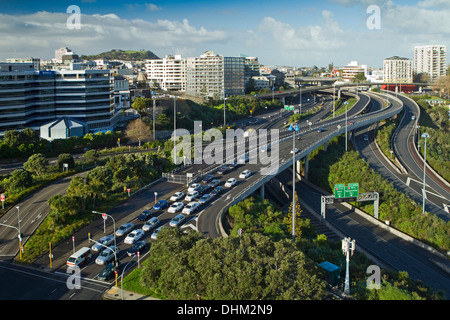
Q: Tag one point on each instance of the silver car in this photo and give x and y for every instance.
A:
(107, 255)
(125, 228)
(102, 242)
(150, 224)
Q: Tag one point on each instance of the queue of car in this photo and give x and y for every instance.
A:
(197, 195)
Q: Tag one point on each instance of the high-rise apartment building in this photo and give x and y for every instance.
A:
(209, 75)
(29, 98)
(168, 73)
(431, 59)
(205, 75)
(397, 70)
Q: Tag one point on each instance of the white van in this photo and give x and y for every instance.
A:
(79, 257)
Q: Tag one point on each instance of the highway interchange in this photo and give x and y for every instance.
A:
(207, 219)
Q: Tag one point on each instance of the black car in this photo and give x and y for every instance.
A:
(223, 170)
(140, 246)
(207, 178)
(217, 191)
(108, 272)
(202, 189)
(145, 215)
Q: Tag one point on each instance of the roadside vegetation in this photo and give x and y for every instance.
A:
(261, 263)
(104, 187)
(435, 121)
(335, 166)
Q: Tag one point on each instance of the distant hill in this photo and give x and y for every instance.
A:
(128, 55)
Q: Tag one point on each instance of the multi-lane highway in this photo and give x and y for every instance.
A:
(409, 182)
(208, 219)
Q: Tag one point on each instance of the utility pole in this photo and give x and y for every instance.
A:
(424, 135)
(348, 246)
(154, 119)
(293, 129)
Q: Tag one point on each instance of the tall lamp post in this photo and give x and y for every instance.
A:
(346, 103)
(425, 136)
(224, 109)
(294, 129)
(300, 103)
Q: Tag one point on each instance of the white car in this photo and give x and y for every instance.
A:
(175, 207)
(214, 183)
(191, 207)
(205, 198)
(107, 255)
(191, 196)
(230, 183)
(134, 236)
(177, 196)
(295, 150)
(245, 174)
(243, 159)
(125, 228)
(177, 220)
(194, 187)
(150, 224)
(102, 242)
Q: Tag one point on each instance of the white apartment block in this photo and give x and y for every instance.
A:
(431, 59)
(168, 73)
(261, 82)
(352, 69)
(397, 70)
(205, 75)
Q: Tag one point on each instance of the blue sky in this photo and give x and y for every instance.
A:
(285, 32)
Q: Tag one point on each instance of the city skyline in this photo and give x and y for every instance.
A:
(285, 33)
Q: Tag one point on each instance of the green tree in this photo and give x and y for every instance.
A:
(37, 163)
(80, 190)
(248, 267)
(65, 158)
(100, 180)
(20, 179)
(91, 155)
(141, 104)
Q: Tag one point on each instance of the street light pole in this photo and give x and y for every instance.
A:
(175, 126)
(154, 119)
(346, 103)
(424, 135)
(293, 129)
(224, 110)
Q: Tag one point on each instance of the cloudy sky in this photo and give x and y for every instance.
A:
(283, 32)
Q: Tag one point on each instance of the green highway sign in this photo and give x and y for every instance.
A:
(343, 191)
(288, 107)
(352, 190)
(339, 191)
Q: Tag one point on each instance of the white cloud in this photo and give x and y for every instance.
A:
(152, 7)
(39, 34)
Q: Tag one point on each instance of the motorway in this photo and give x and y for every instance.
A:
(206, 220)
(410, 182)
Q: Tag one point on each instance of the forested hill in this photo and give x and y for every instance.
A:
(128, 55)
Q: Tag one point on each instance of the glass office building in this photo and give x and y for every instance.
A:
(30, 98)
